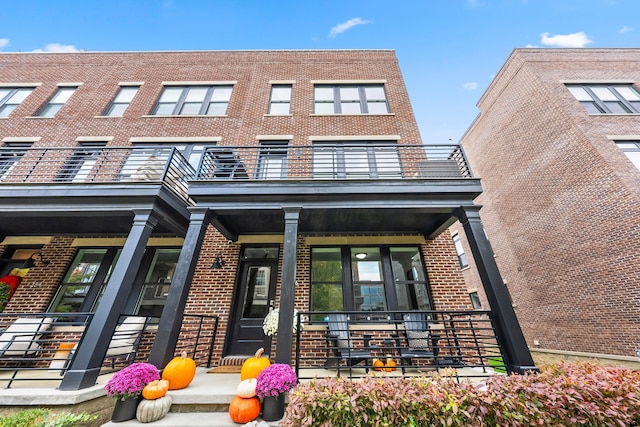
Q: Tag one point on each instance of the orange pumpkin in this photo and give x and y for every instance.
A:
(252, 367)
(242, 410)
(155, 389)
(179, 372)
(390, 366)
(378, 365)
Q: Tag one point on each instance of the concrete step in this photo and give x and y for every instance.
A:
(189, 419)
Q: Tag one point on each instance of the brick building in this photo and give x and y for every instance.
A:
(225, 184)
(556, 144)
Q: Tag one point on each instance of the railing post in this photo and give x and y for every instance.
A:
(173, 312)
(508, 332)
(90, 354)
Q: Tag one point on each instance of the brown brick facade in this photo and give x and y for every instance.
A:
(560, 200)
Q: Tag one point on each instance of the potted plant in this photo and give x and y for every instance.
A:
(126, 386)
(270, 323)
(271, 385)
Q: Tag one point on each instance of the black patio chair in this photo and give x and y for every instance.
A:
(342, 344)
(419, 342)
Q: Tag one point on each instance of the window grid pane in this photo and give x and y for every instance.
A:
(190, 100)
(350, 99)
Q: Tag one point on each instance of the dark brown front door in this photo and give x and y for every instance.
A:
(255, 295)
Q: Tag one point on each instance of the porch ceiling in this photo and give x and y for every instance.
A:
(87, 209)
(350, 206)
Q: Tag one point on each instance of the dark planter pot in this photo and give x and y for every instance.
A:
(273, 408)
(125, 410)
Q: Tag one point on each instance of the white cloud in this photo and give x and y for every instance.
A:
(625, 29)
(4, 42)
(57, 47)
(567, 40)
(470, 86)
(341, 28)
(531, 46)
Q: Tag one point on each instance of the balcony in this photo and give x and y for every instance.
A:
(91, 189)
(334, 162)
(338, 188)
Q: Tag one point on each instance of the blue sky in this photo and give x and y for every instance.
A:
(449, 50)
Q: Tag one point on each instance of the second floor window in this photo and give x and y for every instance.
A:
(631, 149)
(10, 155)
(10, 98)
(350, 99)
(193, 101)
(607, 99)
(356, 160)
(56, 102)
(280, 102)
(462, 257)
(272, 160)
(80, 165)
(121, 101)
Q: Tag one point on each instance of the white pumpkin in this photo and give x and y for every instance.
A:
(152, 410)
(247, 388)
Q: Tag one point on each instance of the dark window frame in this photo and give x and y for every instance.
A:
(50, 105)
(180, 103)
(115, 103)
(362, 98)
(272, 150)
(598, 106)
(5, 101)
(279, 101)
(10, 155)
(460, 252)
(348, 283)
(341, 167)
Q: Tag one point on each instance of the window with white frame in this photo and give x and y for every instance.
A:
(272, 160)
(350, 99)
(193, 101)
(607, 98)
(280, 102)
(123, 98)
(631, 149)
(10, 155)
(462, 257)
(356, 159)
(11, 97)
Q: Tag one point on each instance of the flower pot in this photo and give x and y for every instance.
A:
(273, 408)
(125, 410)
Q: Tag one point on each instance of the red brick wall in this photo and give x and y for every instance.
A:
(561, 202)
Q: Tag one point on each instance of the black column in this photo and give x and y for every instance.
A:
(288, 286)
(164, 345)
(90, 353)
(517, 356)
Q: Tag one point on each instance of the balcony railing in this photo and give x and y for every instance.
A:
(82, 165)
(460, 343)
(334, 161)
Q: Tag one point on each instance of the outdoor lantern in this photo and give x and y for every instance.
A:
(218, 262)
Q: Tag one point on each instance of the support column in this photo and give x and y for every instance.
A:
(288, 286)
(86, 366)
(164, 345)
(517, 356)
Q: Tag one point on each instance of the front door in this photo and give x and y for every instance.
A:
(255, 295)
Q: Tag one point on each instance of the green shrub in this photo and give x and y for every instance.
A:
(43, 418)
(5, 291)
(583, 394)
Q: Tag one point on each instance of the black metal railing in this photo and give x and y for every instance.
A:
(355, 344)
(83, 165)
(334, 161)
(197, 337)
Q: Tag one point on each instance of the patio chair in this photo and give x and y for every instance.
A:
(419, 342)
(126, 339)
(341, 342)
(21, 339)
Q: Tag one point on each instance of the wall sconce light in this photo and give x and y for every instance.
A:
(218, 262)
(361, 255)
(31, 261)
